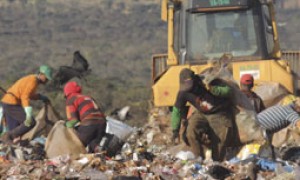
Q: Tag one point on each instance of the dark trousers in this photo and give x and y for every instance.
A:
(213, 131)
(15, 117)
(91, 135)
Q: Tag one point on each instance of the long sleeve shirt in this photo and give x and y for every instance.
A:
(255, 100)
(80, 107)
(206, 101)
(22, 91)
(278, 117)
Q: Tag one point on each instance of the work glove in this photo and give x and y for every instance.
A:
(71, 123)
(44, 98)
(28, 120)
(175, 136)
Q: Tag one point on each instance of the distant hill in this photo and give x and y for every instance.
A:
(115, 36)
(118, 37)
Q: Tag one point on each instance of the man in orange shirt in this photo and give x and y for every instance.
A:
(16, 103)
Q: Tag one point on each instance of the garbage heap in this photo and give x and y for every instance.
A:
(147, 154)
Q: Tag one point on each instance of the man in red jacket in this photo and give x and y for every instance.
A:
(83, 109)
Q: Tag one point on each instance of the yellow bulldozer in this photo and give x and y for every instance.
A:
(201, 31)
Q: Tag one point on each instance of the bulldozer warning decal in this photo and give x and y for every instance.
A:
(250, 69)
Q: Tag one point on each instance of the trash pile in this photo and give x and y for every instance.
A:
(147, 153)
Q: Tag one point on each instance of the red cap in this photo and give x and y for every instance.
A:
(247, 79)
(71, 87)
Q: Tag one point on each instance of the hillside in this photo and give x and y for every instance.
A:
(108, 34)
(117, 37)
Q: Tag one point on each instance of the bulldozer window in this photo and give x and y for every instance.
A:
(211, 35)
(268, 30)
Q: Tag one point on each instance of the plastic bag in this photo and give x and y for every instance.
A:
(247, 150)
(248, 128)
(111, 144)
(121, 130)
(185, 155)
(271, 92)
(265, 164)
(288, 99)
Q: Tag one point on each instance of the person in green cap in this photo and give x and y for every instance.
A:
(16, 103)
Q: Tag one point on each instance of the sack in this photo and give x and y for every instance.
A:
(248, 128)
(62, 140)
(271, 92)
(45, 120)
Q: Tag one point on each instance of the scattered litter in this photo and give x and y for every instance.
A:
(143, 155)
(185, 155)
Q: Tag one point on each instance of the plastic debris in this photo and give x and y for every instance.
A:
(265, 164)
(291, 154)
(248, 150)
(219, 172)
(185, 155)
(145, 154)
(121, 130)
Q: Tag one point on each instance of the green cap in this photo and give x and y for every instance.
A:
(47, 71)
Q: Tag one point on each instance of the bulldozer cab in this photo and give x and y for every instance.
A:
(231, 32)
(208, 29)
(203, 30)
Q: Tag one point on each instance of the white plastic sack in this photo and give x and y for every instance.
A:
(185, 155)
(121, 130)
(271, 92)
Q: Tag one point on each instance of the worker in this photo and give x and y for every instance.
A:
(278, 117)
(16, 103)
(211, 125)
(246, 86)
(83, 109)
